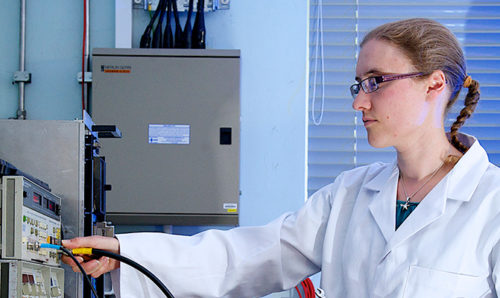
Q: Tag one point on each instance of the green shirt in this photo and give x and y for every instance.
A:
(401, 213)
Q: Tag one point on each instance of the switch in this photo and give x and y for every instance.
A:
(225, 135)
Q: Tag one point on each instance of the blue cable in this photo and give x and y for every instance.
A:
(47, 245)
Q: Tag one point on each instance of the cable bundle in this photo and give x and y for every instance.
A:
(307, 287)
(190, 37)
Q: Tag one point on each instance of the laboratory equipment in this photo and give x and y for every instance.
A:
(20, 279)
(31, 215)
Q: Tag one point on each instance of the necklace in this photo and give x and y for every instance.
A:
(408, 197)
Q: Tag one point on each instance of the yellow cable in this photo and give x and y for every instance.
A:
(82, 251)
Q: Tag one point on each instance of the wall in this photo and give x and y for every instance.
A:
(273, 42)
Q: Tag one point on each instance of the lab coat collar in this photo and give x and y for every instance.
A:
(383, 203)
(465, 176)
(459, 184)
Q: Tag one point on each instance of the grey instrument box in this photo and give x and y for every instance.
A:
(179, 112)
(52, 151)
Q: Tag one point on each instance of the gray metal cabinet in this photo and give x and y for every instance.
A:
(179, 112)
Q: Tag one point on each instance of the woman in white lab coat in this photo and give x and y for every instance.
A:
(425, 225)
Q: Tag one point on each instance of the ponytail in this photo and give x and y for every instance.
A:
(471, 100)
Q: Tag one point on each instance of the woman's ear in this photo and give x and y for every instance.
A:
(436, 83)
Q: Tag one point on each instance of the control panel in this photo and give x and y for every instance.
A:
(31, 215)
(20, 279)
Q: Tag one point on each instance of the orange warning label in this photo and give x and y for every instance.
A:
(116, 68)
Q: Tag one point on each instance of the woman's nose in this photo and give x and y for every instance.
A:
(362, 101)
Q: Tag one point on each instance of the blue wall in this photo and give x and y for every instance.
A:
(273, 42)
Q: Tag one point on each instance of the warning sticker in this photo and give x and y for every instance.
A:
(116, 68)
(178, 134)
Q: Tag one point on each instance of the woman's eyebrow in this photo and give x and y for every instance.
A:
(371, 71)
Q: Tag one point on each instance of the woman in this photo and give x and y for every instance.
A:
(426, 225)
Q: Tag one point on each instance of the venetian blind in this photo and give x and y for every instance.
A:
(336, 136)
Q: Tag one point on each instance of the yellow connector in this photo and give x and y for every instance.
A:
(82, 251)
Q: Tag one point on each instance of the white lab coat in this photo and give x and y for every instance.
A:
(448, 247)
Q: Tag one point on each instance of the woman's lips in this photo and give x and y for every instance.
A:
(368, 122)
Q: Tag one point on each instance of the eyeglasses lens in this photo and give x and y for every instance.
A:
(370, 85)
(355, 90)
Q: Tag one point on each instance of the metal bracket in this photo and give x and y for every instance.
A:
(182, 5)
(22, 76)
(104, 229)
(107, 131)
(21, 114)
(220, 4)
(88, 77)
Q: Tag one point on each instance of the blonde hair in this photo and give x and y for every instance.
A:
(431, 46)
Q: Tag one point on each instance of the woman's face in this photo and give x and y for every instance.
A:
(397, 112)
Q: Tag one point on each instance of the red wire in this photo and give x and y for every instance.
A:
(308, 288)
(298, 291)
(313, 293)
(83, 53)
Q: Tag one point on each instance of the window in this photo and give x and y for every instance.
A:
(337, 138)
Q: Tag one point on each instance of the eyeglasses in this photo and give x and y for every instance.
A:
(371, 84)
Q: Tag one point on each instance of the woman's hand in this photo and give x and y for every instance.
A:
(94, 267)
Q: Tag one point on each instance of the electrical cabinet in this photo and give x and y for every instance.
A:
(179, 113)
(54, 152)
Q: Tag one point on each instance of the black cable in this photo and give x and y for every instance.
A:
(137, 266)
(168, 36)
(178, 42)
(199, 31)
(157, 33)
(66, 251)
(146, 36)
(188, 30)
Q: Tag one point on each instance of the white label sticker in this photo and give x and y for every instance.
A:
(169, 134)
(230, 206)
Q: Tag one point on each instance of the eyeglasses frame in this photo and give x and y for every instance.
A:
(382, 79)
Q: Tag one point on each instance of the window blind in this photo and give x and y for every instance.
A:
(337, 139)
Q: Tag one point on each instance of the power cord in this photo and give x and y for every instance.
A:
(142, 269)
(100, 252)
(67, 252)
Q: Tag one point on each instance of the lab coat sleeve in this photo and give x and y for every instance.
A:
(495, 260)
(242, 262)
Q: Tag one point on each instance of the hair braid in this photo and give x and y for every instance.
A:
(471, 100)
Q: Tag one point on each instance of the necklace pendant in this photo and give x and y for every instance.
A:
(406, 204)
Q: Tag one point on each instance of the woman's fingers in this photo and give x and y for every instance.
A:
(101, 242)
(69, 261)
(94, 267)
(104, 267)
